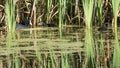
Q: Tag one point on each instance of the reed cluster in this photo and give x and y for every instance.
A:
(66, 13)
(116, 56)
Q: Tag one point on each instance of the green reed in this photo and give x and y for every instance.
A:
(89, 43)
(116, 54)
(17, 61)
(100, 50)
(10, 15)
(65, 63)
(11, 25)
(62, 8)
(49, 7)
(52, 57)
(99, 11)
(99, 8)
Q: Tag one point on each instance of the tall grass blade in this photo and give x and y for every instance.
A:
(89, 42)
(116, 54)
(62, 8)
(11, 24)
(49, 6)
(99, 11)
(10, 15)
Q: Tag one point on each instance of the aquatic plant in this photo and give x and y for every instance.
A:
(99, 8)
(64, 61)
(11, 25)
(49, 7)
(62, 8)
(89, 42)
(68, 12)
(10, 15)
(116, 54)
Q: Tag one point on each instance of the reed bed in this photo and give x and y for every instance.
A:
(74, 42)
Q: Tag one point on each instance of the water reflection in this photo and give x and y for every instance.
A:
(45, 49)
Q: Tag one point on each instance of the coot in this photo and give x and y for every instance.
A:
(103, 28)
(42, 24)
(51, 25)
(24, 24)
(2, 24)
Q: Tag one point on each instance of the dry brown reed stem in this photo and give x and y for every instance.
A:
(68, 17)
(52, 13)
(34, 21)
(113, 24)
(76, 6)
(2, 15)
(33, 63)
(1, 8)
(18, 15)
(1, 64)
(71, 19)
(43, 2)
(33, 14)
(23, 64)
(24, 58)
(9, 62)
(39, 18)
(106, 3)
(32, 11)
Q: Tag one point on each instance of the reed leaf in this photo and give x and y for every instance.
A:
(115, 5)
(10, 15)
(65, 63)
(99, 10)
(62, 8)
(116, 54)
(11, 24)
(49, 6)
(89, 43)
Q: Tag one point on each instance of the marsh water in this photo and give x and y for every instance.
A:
(43, 48)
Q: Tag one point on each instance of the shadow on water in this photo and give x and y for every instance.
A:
(41, 48)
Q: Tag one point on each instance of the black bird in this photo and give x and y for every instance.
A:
(103, 28)
(42, 24)
(51, 25)
(2, 24)
(24, 24)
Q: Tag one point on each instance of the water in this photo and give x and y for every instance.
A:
(43, 47)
